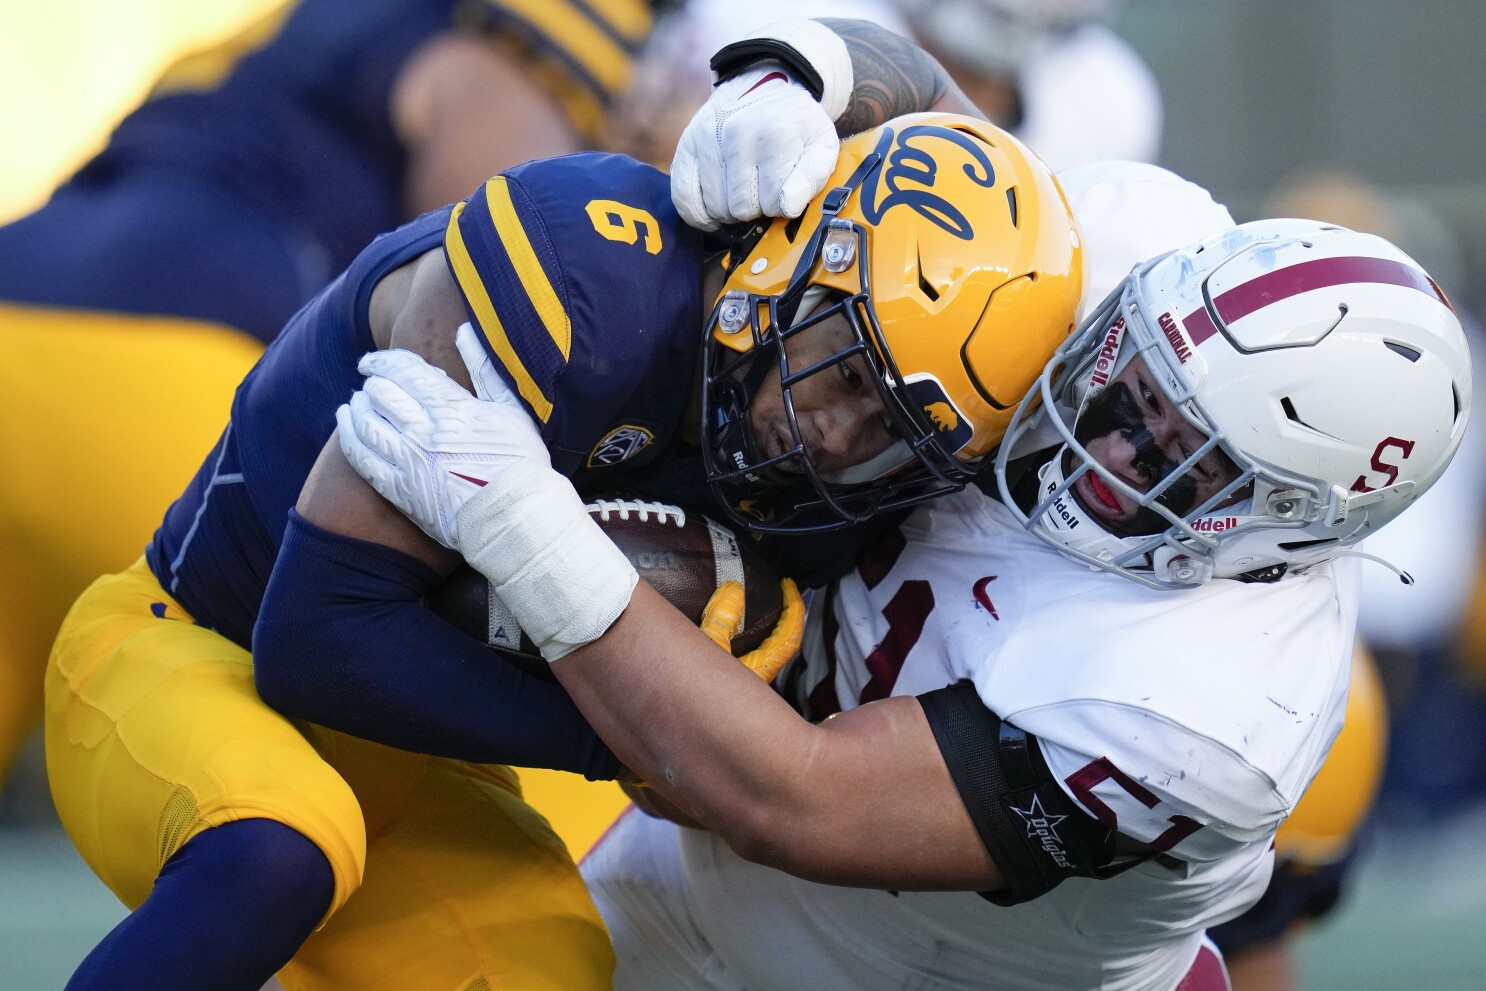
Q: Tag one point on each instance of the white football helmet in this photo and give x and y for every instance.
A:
(997, 37)
(1325, 364)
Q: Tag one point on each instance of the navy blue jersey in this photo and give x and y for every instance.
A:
(633, 341)
(218, 542)
(283, 144)
(575, 270)
(588, 290)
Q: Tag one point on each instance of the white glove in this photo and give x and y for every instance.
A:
(424, 443)
(488, 383)
(760, 145)
(558, 573)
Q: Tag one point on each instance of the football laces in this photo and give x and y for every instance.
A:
(623, 509)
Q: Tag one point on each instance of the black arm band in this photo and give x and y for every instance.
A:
(733, 59)
(1034, 832)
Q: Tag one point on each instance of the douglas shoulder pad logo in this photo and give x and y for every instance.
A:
(619, 445)
(1042, 831)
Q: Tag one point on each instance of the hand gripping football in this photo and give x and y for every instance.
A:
(684, 556)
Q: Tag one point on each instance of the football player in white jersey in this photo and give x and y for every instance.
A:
(1050, 731)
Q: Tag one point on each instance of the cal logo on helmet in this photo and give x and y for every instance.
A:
(928, 395)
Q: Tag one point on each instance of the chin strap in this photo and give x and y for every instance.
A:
(1403, 575)
(1275, 572)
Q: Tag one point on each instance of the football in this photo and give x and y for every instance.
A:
(685, 556)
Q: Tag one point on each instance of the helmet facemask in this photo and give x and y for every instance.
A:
(1183, 509)
(918, 464)
(942, 266)
(1323, 365)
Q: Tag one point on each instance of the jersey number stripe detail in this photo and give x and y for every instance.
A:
(906, 614)
(1083, 781)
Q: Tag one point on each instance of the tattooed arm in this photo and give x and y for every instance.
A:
(892, 76)
(766, 140)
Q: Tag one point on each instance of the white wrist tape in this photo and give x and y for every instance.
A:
(803, 45)
(529, 534)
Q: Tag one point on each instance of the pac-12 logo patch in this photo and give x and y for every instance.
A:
(619, 444)
(928, 395)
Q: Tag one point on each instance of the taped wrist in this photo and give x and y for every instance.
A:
(529, 534)
(816, 55)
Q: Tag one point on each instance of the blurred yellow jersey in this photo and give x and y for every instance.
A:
(1324, 823)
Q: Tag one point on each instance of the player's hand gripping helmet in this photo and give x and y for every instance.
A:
(950, 252)
(1324, 383)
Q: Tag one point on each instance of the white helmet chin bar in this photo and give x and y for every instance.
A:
(1292, 504)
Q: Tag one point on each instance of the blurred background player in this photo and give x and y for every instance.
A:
(1050, 71)
(152, 278)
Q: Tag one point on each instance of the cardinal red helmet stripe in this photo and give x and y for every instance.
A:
(1292, 280)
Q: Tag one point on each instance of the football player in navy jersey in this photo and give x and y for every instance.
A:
(227, 824)
(790, 940)
(1047, 738)
(255, 172)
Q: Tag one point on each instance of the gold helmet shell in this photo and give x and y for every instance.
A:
(954, 252)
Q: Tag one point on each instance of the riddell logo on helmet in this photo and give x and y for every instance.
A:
(1214, 524)
(1178, 343)
(1104, 364)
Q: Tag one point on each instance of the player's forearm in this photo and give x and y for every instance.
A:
(864, 800)
(343, 640)
(465, 110)
(892, 76)
(659, 691)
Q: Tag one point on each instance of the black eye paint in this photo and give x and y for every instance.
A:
(1116, 410)
(1113, 409)
(1179, 496)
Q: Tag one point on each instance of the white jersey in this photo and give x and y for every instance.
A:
(1195, 719)
(1130, 212)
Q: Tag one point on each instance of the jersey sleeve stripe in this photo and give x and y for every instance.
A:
(576, 34)
(483, 310)
(631, 20)
(523, 259)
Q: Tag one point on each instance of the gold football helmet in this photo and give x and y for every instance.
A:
(951, 252)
